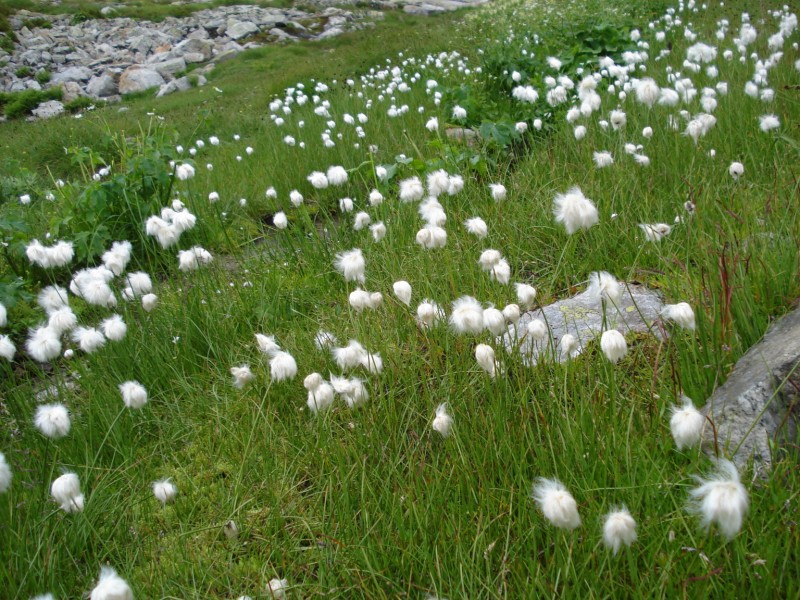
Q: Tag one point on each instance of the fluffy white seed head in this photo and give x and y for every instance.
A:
(511, 313)
(324, 340)
(613, 345)
(429, 313)
(5, 474)
(526, 295)
(134, 395)
(467, 316)
(721, 500)
(277, 588)
(494, 321)
(282, 366)
(484, 355)
(114, 328)
(680, 313)
(537, 329)
(111, 587)
(686, 424)
(149, 302)
(62, 320)
(556, 503)
(165, 491)
(52, 420)
(736, 170)
(568, 347)
(88, 339)
(351, 265)
(619, 528)
(242, 376)
(53, 297)
(7, 348)
(66, 490)
(604, 287)
(402, 289)
(350, 356)
(477, 227)
(655, 232)
(43, 344)
(575, 211)
(442, 422)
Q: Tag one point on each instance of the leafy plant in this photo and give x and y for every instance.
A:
(25, 71)
(20, 104)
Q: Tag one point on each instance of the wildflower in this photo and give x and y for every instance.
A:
(498, 191)
(402, 289)
(361, 299)
(618, 119)
(89, 339)
(467, 316)
(296, 198)
(537, 329)
(655, 232)
(686, 424)
(242, 376)
(192, 259)
(489, 259)
(579, 132)
(62, 320)
(184, 171)
(66, 490)
(521, 127)
(442, 422)
(613, 345)
(432, 124)
(556, 503)
(642, 160)
(351, 265)
(164, 491)
(604, 287)
(282, 366)
(352, 390)
(7, 348)
(722, 500)
(680, 313)
(511, 313)
(647, 132)
(429, 313)
(484, 355)
(114, 328)
(277, 588)
(647, 92)
(52, 297)
(149, 302)
(111, 587)
(5, 474)
(324, 339)
(337, 175)
(459, 113)
(378, 231)
(117, 258)
(768, 122)
(43, 344)
(25, 199)
(139, 283)
(346, 204)
(619, 528)
(438, 182)
(231, 531)
(133, 394)
(568, 347)
(271, 192)
(477, 227)
(575, 211)
(320, 393)
(411, 190)
(213, 197)
(526, 295)
(736, 169)
(431, 237)
(362, 219)
(318, 180)
(375, 198)
(603, 159)
(267, 344)
(52, 420)
(372, 362)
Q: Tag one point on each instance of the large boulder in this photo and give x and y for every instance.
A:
(70, 91)
(204, 47)
(236, 30)
(757, 409)
(137, 79)
(102, 86)
(48, 110)
(72, 74)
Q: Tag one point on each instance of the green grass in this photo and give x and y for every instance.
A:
(371, 502)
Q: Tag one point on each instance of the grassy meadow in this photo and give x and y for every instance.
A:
(377, 497)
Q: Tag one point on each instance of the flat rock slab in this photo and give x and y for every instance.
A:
(582, 316)
(757, 409)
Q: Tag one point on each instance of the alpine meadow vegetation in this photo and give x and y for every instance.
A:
(264, 339)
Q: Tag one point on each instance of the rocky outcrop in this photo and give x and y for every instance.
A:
(756, 410)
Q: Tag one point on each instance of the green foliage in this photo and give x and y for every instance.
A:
(81, 103)
(43, 76)
(20, 104)
(40, 22)
(25, 71)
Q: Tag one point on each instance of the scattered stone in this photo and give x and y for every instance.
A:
(72, 74)
(48, 110)
(102, 86)
(757, 409)
(239, 29)
(70, 90)
(582, 316)
(137, 78)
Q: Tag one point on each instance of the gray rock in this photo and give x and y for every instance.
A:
(194, 57)
(137, 78)
(239, 29)
(102, 86)
(70, 91)
(195, 46)
(582, 316)
(48, 110)
(171, 66)
(72, 74)
(756, 410)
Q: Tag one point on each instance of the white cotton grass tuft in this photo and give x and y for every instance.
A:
(352, 390)
(467, 316)
(568, 347)
(53, 297)
(52, 420)
(282, 366)
(165, 491)
(768, 122)
(280, 220)
(681, 314)
(114, 328)
(267, 344)
(116, 259)
(411, 190)
(337, 175)
(512, 313)
(619, 529)
(442, 421)
(402, 289)
(736, 170)
(602, 159)
(526, 295)
(686, 424)
(351, 265)
(134, 394)
(378, 231)
(655, 232)
(88, 339)
(360, 299)
(556, 503)
(350, 356)
(485, 357)
(5, 474)
(721, 500)
(277, 588)
(575, 211)
(603, 287)
(43, 344)
(477, 227)
(494, 321)
(318, 180)
(193, 259)
(320, 393)
(149, 302)
(537, 329)
(111, 587)
(324, 340)
(431, 237)
(62, 320)
(242, 376)
(7, 348)
(498, 191)
(66, 490)
(613, 345)
(429, 313)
